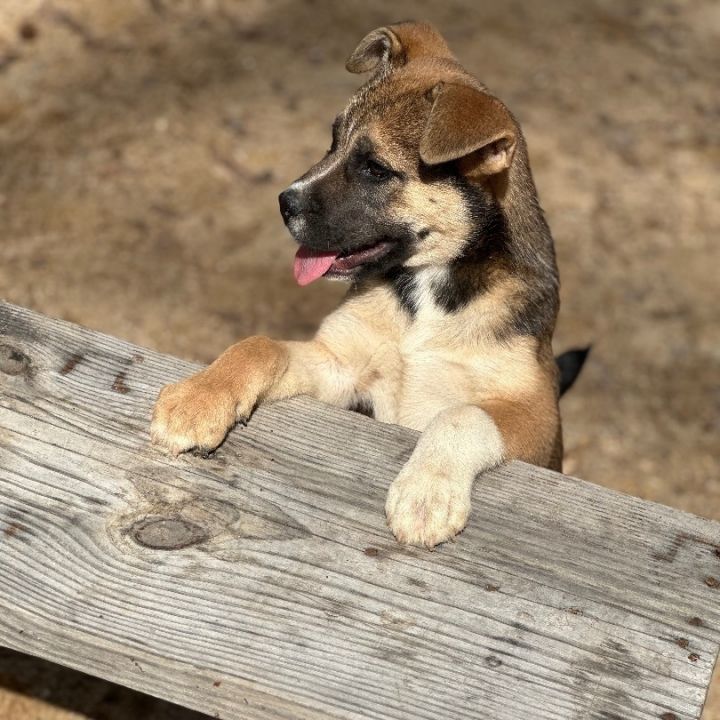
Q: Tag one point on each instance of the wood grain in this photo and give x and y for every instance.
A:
(286, 596)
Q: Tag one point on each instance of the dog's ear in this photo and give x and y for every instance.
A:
(395, 45)
(464, 122)
(379, 48)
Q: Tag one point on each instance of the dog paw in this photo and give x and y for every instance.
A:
(193, 414)
(427, 507)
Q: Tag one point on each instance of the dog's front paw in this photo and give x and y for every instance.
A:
(194, 413)
(426, 506)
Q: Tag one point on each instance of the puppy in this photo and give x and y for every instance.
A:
(426, 205)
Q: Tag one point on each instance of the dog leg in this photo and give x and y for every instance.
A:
(429, 501)
(199, 411)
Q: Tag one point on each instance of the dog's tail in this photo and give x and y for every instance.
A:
(570, 364)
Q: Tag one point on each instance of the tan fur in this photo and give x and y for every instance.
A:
(464, 121)
(447, 228)
(199, 411)
(478, 396)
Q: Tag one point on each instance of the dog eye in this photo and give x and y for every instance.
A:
(376, 171)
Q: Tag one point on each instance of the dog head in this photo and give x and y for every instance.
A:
(417, 168)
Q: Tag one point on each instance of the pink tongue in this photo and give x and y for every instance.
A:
(310, 265)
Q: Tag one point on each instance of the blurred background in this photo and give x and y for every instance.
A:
(143, 144)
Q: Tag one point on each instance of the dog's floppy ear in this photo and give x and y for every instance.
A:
(395, 45)
(381, 47)
(465, 121)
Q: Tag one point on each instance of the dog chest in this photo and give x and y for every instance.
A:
(429, 373)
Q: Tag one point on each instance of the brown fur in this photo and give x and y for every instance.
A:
(454, 338)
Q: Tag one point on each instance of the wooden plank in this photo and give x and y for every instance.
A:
(286, 596)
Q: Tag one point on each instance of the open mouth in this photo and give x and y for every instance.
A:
(313, 264)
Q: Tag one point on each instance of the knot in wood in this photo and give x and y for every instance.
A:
(162, 533)
(13, 361)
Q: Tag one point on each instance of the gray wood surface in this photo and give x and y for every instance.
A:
(263, 583)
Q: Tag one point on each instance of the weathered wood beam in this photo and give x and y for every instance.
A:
(263, 584)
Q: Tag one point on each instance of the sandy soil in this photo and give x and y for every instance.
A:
(143, 144)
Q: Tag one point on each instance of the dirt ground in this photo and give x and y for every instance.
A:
(143, 144)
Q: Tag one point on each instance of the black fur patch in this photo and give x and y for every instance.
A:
(363, 407)
(492, 253)
(473, 272)
(402, 281)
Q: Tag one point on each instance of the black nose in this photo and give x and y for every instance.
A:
(289, 204)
